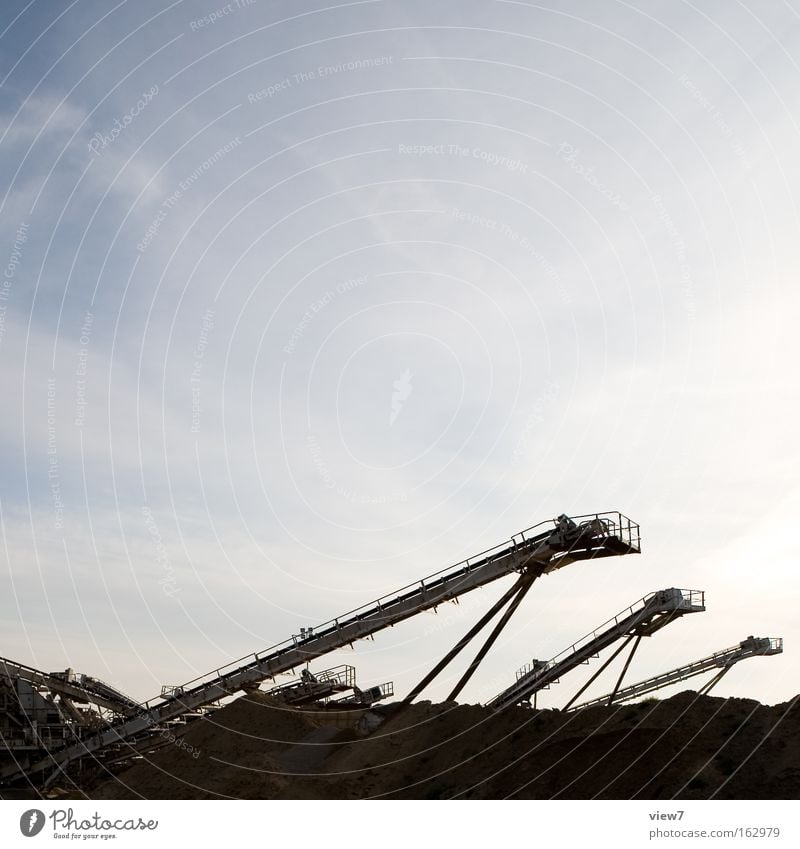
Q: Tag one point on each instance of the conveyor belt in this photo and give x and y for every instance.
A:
(82, 688)
(538, 550)
(641, 619)
(721, 660)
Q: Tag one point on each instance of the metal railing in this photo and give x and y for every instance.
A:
(343, 675)
(543, 546)
(617, 524)
(692, 598)
(92, 683)
(723, 660)
(87, 685)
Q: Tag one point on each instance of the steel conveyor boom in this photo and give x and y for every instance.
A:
(641, 619)
(750, 647)
(79, 688)
(538, 550)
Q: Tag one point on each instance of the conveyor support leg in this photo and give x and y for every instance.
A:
(589, 683)
(524, 585)
(479, 625)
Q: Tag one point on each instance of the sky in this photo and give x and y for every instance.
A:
(301, 302)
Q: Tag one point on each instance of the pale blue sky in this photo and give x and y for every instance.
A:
(567, 231)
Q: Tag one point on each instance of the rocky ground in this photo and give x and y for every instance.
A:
(687, 747)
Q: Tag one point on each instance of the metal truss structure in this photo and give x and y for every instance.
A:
(721, 661)
(531, 553)
(642, 619)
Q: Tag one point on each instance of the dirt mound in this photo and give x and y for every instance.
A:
(248, 749)
(688, 746)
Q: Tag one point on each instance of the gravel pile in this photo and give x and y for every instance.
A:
(688, 747)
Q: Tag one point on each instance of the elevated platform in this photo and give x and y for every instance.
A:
(322, 688)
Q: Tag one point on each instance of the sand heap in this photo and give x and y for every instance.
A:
(688, 746)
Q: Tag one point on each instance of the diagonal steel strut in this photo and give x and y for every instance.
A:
(597, 674)
(523, 581)
(524, 584)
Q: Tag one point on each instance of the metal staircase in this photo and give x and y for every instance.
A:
(721, 660)
(533, 552)
(642, 619)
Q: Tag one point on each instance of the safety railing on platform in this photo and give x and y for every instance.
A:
(617, 523)
(690, 597)
(382, 602)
